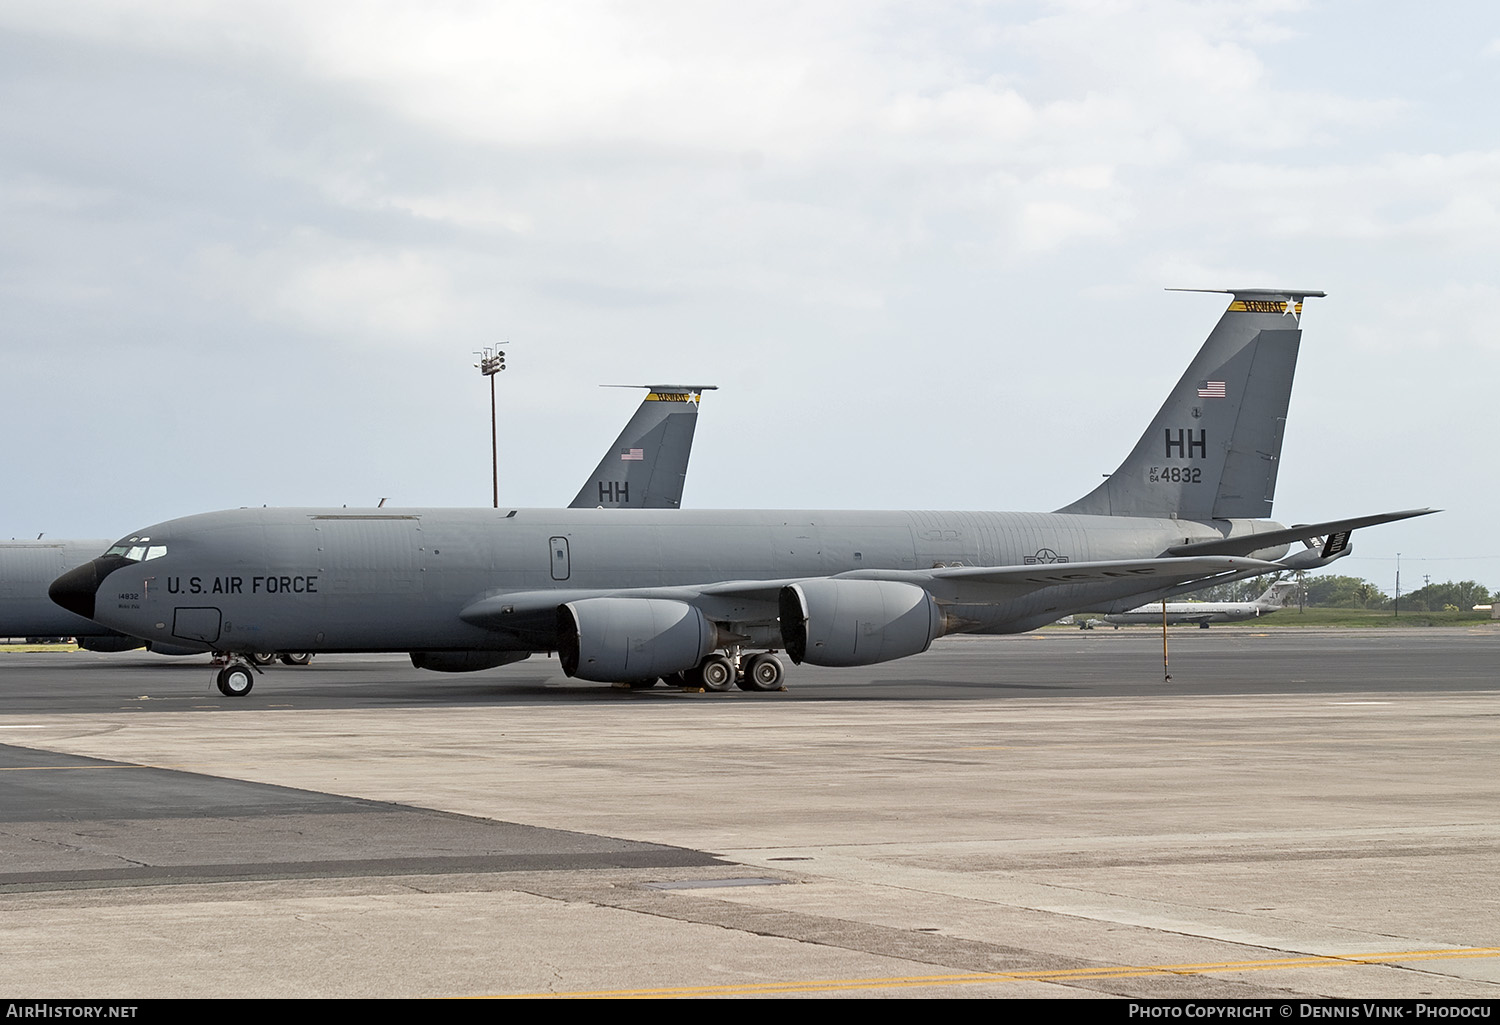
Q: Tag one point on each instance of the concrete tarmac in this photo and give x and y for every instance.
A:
(1297, 814)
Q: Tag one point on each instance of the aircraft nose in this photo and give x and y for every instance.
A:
(75, 589)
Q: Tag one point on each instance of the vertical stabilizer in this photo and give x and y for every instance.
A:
(1278, 595)
(647, 465)
(1212, 451)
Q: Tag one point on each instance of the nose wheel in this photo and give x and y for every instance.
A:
(235, 680)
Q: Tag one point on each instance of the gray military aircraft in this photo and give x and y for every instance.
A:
(1273, 599)
(645, 468)
(635, 595)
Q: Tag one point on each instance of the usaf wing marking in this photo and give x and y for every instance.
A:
(709, 596)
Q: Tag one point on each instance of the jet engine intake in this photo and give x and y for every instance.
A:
(618, 640)
(857, 622)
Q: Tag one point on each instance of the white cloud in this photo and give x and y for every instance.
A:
(323, 287)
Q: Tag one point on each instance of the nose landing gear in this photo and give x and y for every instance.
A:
(235, 680)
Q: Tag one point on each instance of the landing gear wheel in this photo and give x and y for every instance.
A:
(235, 680)
(675, 679)
(297, 659)
(715, 672)
(765, 672)
(262, 658)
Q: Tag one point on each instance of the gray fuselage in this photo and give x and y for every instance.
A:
(27, 568)
(326, 580)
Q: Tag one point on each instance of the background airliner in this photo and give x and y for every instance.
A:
(1275, 597)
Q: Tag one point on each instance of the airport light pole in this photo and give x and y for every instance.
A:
(491, 362)
(1398, 586)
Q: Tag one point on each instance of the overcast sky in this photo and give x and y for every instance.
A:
(247, 250)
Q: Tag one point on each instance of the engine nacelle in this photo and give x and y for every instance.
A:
(615, 640)
(465, 661)
(857, 622)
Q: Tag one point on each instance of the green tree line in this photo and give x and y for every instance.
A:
(1332, 591)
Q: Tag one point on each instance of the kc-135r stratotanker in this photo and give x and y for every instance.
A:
(633, 596)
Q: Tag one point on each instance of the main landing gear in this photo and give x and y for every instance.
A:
(715, 672)
(286, 658)
(720, 672)
(762, 672)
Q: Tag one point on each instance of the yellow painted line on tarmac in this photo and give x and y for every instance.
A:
(1057, 975)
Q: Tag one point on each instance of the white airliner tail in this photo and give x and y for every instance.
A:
(1278, 595)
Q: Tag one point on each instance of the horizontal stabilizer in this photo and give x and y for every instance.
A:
(1244, 544)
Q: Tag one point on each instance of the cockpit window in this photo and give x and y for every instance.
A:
(137, 549)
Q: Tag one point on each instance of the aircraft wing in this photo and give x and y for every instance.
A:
(756, 601)
(1246, 543)
(981, 585)
(1031, 578)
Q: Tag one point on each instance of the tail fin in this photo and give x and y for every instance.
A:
(1213, 449)
(1278, 594)
(647, 465)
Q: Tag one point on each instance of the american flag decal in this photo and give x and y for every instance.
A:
(632, 453)
(1211, 390)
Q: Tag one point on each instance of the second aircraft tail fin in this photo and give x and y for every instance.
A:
(1278, 595)
(647, 465)
(1212, 450)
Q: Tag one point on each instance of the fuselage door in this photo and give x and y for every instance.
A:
(560, 570)
(196, 624)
